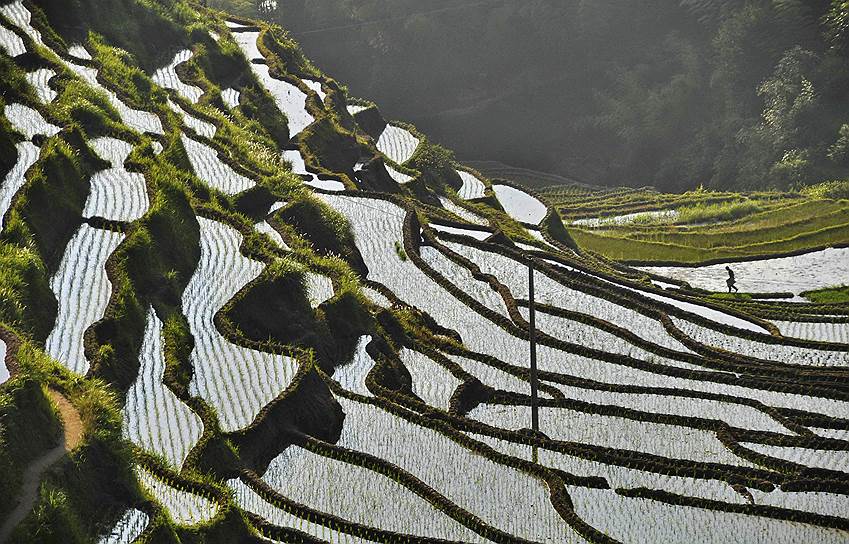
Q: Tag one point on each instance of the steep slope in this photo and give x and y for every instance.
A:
(283, 318)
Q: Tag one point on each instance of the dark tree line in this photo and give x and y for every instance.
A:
(674, 93)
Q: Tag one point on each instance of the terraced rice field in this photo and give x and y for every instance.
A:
(202, 128)
(795, 274)
(116, 194)
(40, 81)
(212, 170)
(290, 99)
(397, 143)
(259, 359)
(237, 381)
(11, 43)
(154, 418)
(642, 226)
(127, 529)
(141, 121)
(4, 370)
(520, 205)
(82, 290)
(230, 96)
(28, 121)
(167, 78)
(472, 186)
(183, 507)
(27, 155)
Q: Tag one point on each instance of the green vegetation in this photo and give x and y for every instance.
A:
(829, 189)
(399, 250)
(704, 226)
(829, 295)
(46, 212)
(713, 213)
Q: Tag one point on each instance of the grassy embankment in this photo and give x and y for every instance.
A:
(708, 226)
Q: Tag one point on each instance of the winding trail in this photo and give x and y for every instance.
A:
(72, 430)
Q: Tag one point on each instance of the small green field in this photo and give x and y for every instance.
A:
(697, 226)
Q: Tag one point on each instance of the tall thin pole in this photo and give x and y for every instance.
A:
(532, 322)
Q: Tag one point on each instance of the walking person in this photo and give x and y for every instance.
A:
(731, 282)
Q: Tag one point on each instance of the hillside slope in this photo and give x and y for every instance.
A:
(282, 318)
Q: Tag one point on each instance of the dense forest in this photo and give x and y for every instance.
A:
(674, 93)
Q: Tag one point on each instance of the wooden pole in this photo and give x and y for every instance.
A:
(533, 342)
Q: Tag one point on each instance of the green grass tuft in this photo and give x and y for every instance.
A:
(829, 295)
(715, 213)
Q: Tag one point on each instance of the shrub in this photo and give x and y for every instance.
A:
(837, 189)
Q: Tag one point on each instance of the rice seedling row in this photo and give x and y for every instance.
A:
(250, 501)
(736, 415)
(491, 376)
(15, 179)
(167, 77)
(238, 382)
(835, 460)
(462, 278)
(617, 477)
(230, 96)
(319, 288)
(28, 121)
(586, 335)
(116, 194)
(821, 332)
(360, 495)
(154, 418)
(432, 382)
(183, 507)
(212, 170)
(22, 18)
(786, 354)
(670, 441)
(472, 186)
(469, 480)
(352, 375)
(202, 128)
(39, 80)
(11, 43)
(671, 523)
(82, 290)
(462, 213)
(397, 143)
(127, 529)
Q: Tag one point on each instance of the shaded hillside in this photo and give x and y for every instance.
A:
(673, 93)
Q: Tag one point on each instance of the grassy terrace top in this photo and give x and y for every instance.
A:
(699, 226)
